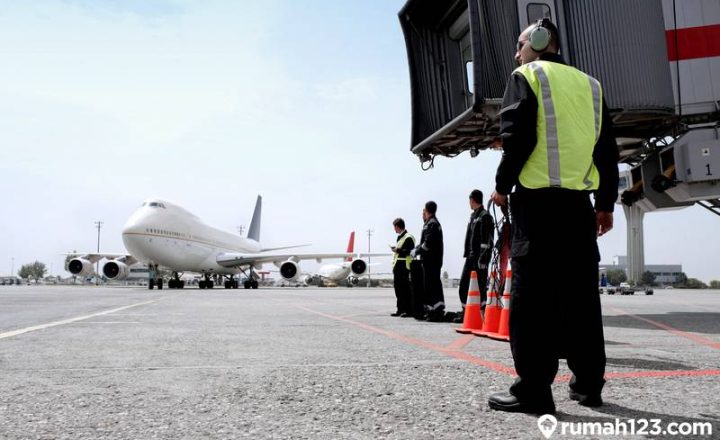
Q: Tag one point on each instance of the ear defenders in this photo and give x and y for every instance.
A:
(539, 37)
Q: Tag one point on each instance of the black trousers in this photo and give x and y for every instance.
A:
(417, 282)
(434, 294)
(482, 274)
(403, 290)
(555, 311)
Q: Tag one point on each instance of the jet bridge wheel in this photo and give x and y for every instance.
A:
(151, 284)
(160, 284)
(254, 284)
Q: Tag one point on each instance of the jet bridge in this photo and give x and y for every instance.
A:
(658, 61)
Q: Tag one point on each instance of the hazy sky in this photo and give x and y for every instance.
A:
(209, 103)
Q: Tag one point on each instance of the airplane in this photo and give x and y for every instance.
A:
(350, 269)
(163, 234)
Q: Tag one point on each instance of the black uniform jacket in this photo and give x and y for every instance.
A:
(431, 242)
(479, 237)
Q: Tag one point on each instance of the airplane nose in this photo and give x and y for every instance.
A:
(135, 224)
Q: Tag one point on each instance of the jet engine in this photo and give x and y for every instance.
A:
(115, 270)
(290, 271)
(80, 267)
(358, 266)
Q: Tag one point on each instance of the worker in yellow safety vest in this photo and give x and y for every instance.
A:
(401, 269)
(558, 150)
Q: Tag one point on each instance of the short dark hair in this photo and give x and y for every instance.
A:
(431, 207)
(477, 196)
(400, 223)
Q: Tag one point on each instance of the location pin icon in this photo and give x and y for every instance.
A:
(547, 425)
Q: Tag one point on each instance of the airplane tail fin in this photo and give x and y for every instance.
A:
(351, 246)
(254, 231)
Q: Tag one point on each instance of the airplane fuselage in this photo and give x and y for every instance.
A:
(161, 233)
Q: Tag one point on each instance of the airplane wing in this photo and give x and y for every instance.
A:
(231, 259)
(95, 257)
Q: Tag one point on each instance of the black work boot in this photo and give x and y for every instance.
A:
(510, 403)
(460, 318)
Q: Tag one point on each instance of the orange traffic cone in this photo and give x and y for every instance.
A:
(492, 309)
(503, 333)
(472, 319)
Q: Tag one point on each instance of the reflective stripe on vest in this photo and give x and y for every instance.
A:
(569, 119)
(399, 245)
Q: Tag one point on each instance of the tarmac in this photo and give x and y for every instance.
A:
(80, 362)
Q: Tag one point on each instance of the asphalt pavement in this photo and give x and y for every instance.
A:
(82, 362)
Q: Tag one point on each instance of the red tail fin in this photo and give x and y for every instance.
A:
(351, 246)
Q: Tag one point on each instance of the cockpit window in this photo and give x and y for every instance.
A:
(156, 205)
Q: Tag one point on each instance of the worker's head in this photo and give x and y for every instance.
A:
(429, 210)
(476, 199)
(538, 38)
(399, 225)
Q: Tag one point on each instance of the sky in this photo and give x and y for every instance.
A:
(104, 104)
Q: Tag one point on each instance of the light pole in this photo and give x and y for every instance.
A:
(12, 266)
(369, 233)
(98, 224)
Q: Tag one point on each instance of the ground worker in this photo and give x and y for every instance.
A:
(430, 251)
(558, 148)
(478, 250)
(401, 269)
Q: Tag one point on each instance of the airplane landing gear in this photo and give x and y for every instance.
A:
(231, 283)
(250, 284)
(207, 283)
(175, 282)
(153, 279)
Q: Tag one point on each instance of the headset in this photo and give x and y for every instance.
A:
(540, 36)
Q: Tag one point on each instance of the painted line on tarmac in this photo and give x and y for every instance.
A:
(500, 368)
(691, 336)
(71, 320)
(642, 374)
(461, 342)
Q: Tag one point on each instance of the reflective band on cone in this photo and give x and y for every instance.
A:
(472, 319)
(503, 333)
(492, 315)
(492, 297)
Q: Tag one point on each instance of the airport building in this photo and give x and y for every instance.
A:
(664, 273)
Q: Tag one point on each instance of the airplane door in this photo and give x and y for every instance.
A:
(530, 11)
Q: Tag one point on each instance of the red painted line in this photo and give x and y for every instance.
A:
(638, 374)
(634, 374)
(694, 42)
(419, 343)
(452, 351)
(461, 342)
(691, 336)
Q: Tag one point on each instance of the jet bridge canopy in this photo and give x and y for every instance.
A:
(460, 54)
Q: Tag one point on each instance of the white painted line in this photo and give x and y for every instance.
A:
(108, 322)
(68, 321)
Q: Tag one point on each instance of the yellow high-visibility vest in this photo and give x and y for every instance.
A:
(569, 118)
(399, 244)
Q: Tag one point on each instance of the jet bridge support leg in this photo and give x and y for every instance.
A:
(635, 242)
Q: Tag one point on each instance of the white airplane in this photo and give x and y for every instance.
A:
(162, 234)
(350, 269)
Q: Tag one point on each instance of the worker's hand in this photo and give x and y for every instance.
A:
(413, 253)
(604, 222)
(498, 199)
